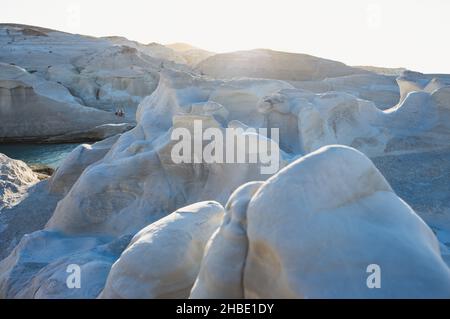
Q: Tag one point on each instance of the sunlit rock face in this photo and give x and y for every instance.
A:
(111, 207)
(305, 72)
(177, 55)
(154, 50)
(138, 177)
(408, 141)
(312, 231)
(129, 182)
(222, 269)
(410, 81)
(270, 64)
(309, 121)
(48, 108)
(382, 90)
(116, 77)
(190, 55)
(15, 178)
(69, 86)
(347, 222)
(105, 73)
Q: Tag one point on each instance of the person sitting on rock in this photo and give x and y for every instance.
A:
(120, 112)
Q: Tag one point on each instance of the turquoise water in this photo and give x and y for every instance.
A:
(47, 154)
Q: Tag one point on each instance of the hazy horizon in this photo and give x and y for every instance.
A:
(404, 33)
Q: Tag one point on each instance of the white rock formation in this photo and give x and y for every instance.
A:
(49, 109)
(163, 259)
(305, 72)
(98, 133)
(36, 206)
(410, 81)
(38, 266)
(314, 228)
(262, 63)
(106, 73)
(382, 70)
(381, 89)
(191, 55)
(179, 56)
(118, 76)
(309, 121)
(222, 269)
(36, 48)
(59, 74)
(76, 162)
(137, 182)
(278, 237)
(15, 178)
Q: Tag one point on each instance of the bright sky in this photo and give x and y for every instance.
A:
(390, 33)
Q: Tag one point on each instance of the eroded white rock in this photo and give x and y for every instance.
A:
(313, 230)
(50, 110)
(334, 216)
(15, 178)
(263, 63)
(42, 263)
(222, 269)
(163, 259)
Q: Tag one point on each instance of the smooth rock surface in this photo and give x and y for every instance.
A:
(37, 205)
(15, 178)
(70, 85)
(269, 64)
(37, 268)
(321, 236)
(163, 259)
(335, 208)
(222, 269)
(49, 109)
(309, 231)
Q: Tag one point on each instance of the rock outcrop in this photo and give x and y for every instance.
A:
(382, 90)
(37, 205)
(222, 270)
(419, 123)
(314, 230)
(49, 109)
(410, 81)
(135, 183)
(139, 223)
(40, 264)
(163, 259)
(69, 86)
(15, 178)
(191, 55)
(111, 190)
(268, 64)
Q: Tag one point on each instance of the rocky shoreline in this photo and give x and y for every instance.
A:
(362, 181)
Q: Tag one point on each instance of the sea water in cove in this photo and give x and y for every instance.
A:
(48, 154)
